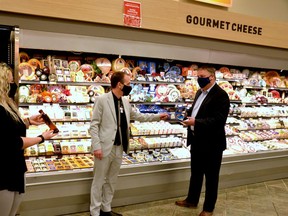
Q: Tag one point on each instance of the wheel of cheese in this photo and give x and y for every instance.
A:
(175, 70)
(96, 89)
(173, 95)
(171, 87)
(224, 70)
(129, 64)
(23, 57)
(47, 99)
(126, 70)
(161, 90)
(118, 64)
(74, 65)
(26, 71)
(135, 72)
(24, 91)
(166, 66)
(35, 63)
(104, 64)
(88, 71)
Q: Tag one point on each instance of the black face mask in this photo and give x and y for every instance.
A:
(203, 81)
(126, 90)
(13, 90)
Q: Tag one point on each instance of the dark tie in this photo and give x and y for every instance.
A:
(119, 122)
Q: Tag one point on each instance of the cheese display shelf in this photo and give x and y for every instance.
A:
(151, 171)
(70, 107)
(142, 182)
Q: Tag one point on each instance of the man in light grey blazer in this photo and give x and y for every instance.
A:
(110, 136)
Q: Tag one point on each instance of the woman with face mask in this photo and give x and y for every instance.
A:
(13, 142)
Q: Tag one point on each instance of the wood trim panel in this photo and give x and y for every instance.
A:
(162, 15)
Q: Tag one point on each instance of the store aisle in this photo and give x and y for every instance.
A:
(262, 199)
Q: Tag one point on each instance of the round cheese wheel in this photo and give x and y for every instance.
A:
(96, 89)
(23, 57)
(224, 70)
(104, 64)
(118, 64)
(24, 91)
(26, 71)
(88, 71)
(173, 95)
(126, 70)
(74, 65)
(161, 90)
(135, 72)
(35, 63)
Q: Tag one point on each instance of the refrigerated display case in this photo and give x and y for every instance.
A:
(66, 191)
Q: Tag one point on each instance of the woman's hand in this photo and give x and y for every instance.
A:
(48, 134)
(36, 120)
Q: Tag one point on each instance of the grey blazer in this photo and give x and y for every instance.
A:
(104, 123)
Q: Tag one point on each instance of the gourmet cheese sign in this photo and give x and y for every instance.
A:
(225, 25)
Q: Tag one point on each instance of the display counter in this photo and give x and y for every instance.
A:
(64, 192)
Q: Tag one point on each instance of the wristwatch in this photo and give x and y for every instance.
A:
(42, 138)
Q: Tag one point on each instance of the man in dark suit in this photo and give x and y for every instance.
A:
(206, 135)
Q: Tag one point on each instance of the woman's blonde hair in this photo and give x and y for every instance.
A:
(5, 101)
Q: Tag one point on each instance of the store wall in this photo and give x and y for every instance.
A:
(165, 16)
(276, 10)
(229, 53)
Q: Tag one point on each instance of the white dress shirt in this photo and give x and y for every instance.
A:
(198, 103)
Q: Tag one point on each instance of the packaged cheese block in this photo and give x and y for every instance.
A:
(29, 166)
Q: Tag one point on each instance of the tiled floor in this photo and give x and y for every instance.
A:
(261, 199)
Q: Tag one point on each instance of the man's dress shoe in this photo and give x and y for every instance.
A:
(205, 213)
(184, 203)
(111, 213)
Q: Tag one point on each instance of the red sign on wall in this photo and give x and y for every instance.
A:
(132, 13)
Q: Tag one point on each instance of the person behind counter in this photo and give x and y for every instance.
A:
(13, 142)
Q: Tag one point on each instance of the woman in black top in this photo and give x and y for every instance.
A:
(12, 144)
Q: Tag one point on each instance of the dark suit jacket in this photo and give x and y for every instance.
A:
(209, 129)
